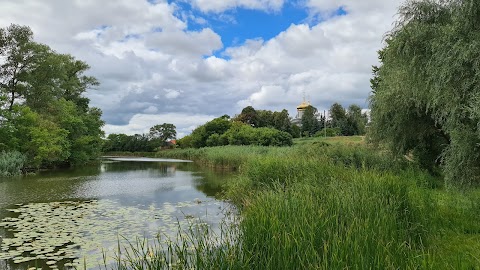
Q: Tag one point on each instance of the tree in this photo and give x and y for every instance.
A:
(265, 118)
(248, 116)
(310, 123)
(162, 133)
(281, 121)
(356, 120)
(426, 96)
(16, 47)
(42, 108)
(338, 118)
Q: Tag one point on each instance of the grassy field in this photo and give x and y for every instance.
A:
(343, 140)
(330, 203)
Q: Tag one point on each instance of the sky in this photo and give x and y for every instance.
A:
(188, 61)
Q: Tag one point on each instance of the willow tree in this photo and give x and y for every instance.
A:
(426, 92)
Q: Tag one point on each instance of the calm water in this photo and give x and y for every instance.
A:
(56, 218)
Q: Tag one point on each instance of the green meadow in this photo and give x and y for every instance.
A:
(326, 203)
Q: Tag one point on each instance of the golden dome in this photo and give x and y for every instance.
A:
(303, 105)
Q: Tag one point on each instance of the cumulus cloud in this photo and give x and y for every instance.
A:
(222, 5)
(141, 123)
(154, 69)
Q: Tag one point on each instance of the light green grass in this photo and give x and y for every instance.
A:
(343, 140)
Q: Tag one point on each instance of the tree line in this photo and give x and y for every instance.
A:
(43, 112)
(157, 138)
(273, 128)
(341, 121)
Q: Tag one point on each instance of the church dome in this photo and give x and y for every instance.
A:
(303, 105)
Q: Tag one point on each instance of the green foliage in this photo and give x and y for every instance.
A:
(356, 120)
(241, 134)
(16, 46)
(426, 94)
(157, 137)
(329, 132)
(264, 118)
(11, 163)
(48, 144)
(163, 132)
(43, 112)
(200, 136)
(221, 131)
(310, 123)
(248, 116)
(350, 122)
(295, 131)
(321, 206)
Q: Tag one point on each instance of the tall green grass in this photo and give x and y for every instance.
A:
(11, 163)
(231, 157)
(321, 206)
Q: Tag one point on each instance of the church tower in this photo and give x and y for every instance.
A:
(301, 108)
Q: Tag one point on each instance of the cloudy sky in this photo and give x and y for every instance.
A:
(188, 61)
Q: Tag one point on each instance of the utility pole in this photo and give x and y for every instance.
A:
(324, 124)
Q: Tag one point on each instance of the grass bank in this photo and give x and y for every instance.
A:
(320, 205)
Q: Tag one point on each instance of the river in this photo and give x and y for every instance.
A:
(71, 218)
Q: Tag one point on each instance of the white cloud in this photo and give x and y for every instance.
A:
(152, 69)
(171, 93)
(141, 123)
(222, 5)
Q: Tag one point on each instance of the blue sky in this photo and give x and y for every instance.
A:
(237, 25)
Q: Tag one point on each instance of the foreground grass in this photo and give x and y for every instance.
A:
(328, 206)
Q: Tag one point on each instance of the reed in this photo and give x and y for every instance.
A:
(322, 206)
(11, 163)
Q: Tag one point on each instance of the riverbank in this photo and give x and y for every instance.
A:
(335, 206)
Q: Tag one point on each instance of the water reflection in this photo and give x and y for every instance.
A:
(143, 192)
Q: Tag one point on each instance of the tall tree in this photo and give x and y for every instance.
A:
(310, 123)
(163, 132)
(248, 116)
(43, 111)
(356, 120)
(281, 121)
(426, 95)
(17, 50)
(265, 118)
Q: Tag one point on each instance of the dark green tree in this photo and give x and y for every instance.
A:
(338, 118)
(356, 121)
(248, 116)
(265, 118)
(281, 121)
(310, 123)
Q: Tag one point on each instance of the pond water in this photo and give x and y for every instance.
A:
(71, 218)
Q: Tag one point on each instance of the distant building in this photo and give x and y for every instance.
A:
(300, 110)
